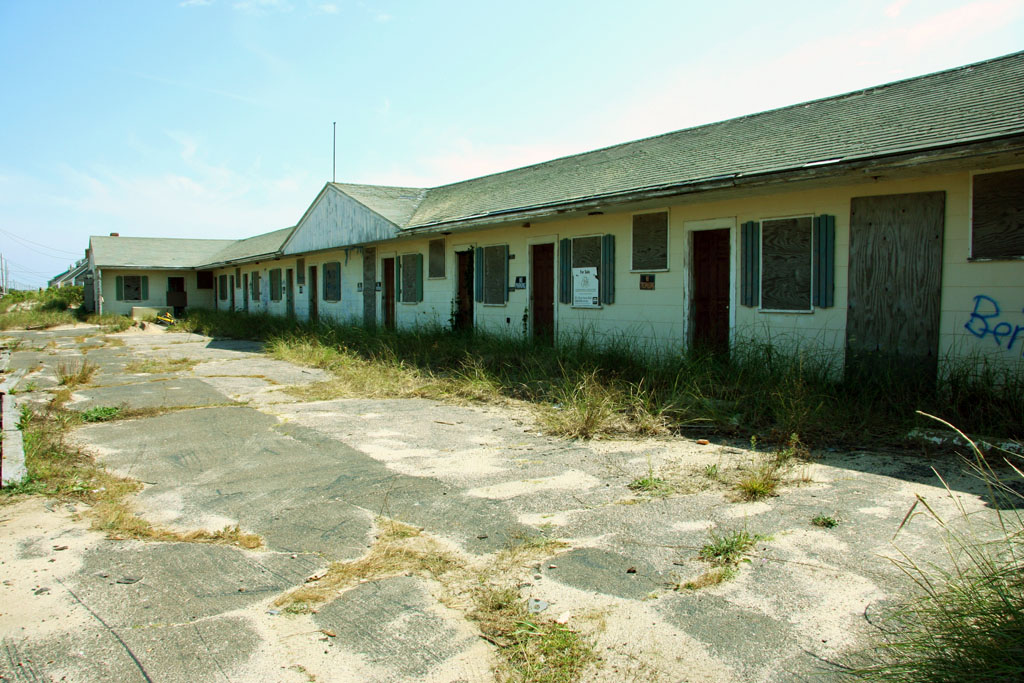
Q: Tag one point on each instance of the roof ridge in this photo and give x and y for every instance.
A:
(837, 97)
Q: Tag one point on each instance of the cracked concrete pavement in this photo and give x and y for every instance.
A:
(311, 477)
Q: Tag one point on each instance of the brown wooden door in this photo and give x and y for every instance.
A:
(464, 293)
(711, 289)
(387, 265)
(542, 299)
(892, 316)
(314, 296)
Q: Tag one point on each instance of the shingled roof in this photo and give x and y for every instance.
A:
(973, 103)
(153, 252)
(265, 245)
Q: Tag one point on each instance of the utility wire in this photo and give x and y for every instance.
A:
(38, 244)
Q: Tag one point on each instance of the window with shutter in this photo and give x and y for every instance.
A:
(786, 264)
(222, 287)
(410, 279)
(591, 270)
(495, 274)
(332, 281)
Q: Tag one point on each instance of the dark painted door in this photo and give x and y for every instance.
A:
(289, 293)
(314, 297)
(464, 293)
(542, 279)
(711, 289)
(892, 316)
(176, 296)
(388, 276)
(245, 292)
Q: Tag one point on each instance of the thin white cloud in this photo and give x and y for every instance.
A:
(896, 8)
(263, 6)
(328, 8)
(194, 3)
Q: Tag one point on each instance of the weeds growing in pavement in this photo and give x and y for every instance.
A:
(74, 372)
(58, 469)
(967, 621)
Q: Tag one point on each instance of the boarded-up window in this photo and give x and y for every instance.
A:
(650, 241)
(410, 274)
(332, 281)
(131, 287)
(275, 284)
(997, 215)
(300, 271)
(222, 285)
(586, 253)
(436, 266)
(786, 264)
(204, 279)
(495, 275)
(254, 285)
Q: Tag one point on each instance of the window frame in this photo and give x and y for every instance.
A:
(810, 265)
(484, 269)
(668, 242)
(970, 243)
(124, 288)
(401, 295)
(444, 259)
(323, 281)
(600, 257)
(275, 289)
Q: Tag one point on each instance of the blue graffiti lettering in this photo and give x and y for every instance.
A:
(984, 322)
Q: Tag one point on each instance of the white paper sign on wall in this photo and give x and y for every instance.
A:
(585, 288)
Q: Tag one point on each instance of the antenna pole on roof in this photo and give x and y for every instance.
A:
(334, 150)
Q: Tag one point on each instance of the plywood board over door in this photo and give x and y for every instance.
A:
(892, 320)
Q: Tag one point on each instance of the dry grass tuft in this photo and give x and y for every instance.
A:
(154, 366)
(398, 549)
(74, 372)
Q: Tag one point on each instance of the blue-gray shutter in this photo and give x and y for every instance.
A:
(823, 294)
(750, 282)
(565, 271)
(607, 282)
(145, 287)
(478, 275)
(119, 288)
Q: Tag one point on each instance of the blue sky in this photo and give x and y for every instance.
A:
(212, 118)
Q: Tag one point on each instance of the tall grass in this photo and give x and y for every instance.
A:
(585, 390)
(967, 622)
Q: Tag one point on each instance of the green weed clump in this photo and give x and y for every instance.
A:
(100, 413)
(585, 389)
(967, 621)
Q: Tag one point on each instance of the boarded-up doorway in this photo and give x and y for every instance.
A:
(542, 292)
(387, 266)
(314, 297)
(370, 286)
(892, 319)
(464, 292)
(711, 289)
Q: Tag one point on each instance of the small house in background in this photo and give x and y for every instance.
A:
(886, 223)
